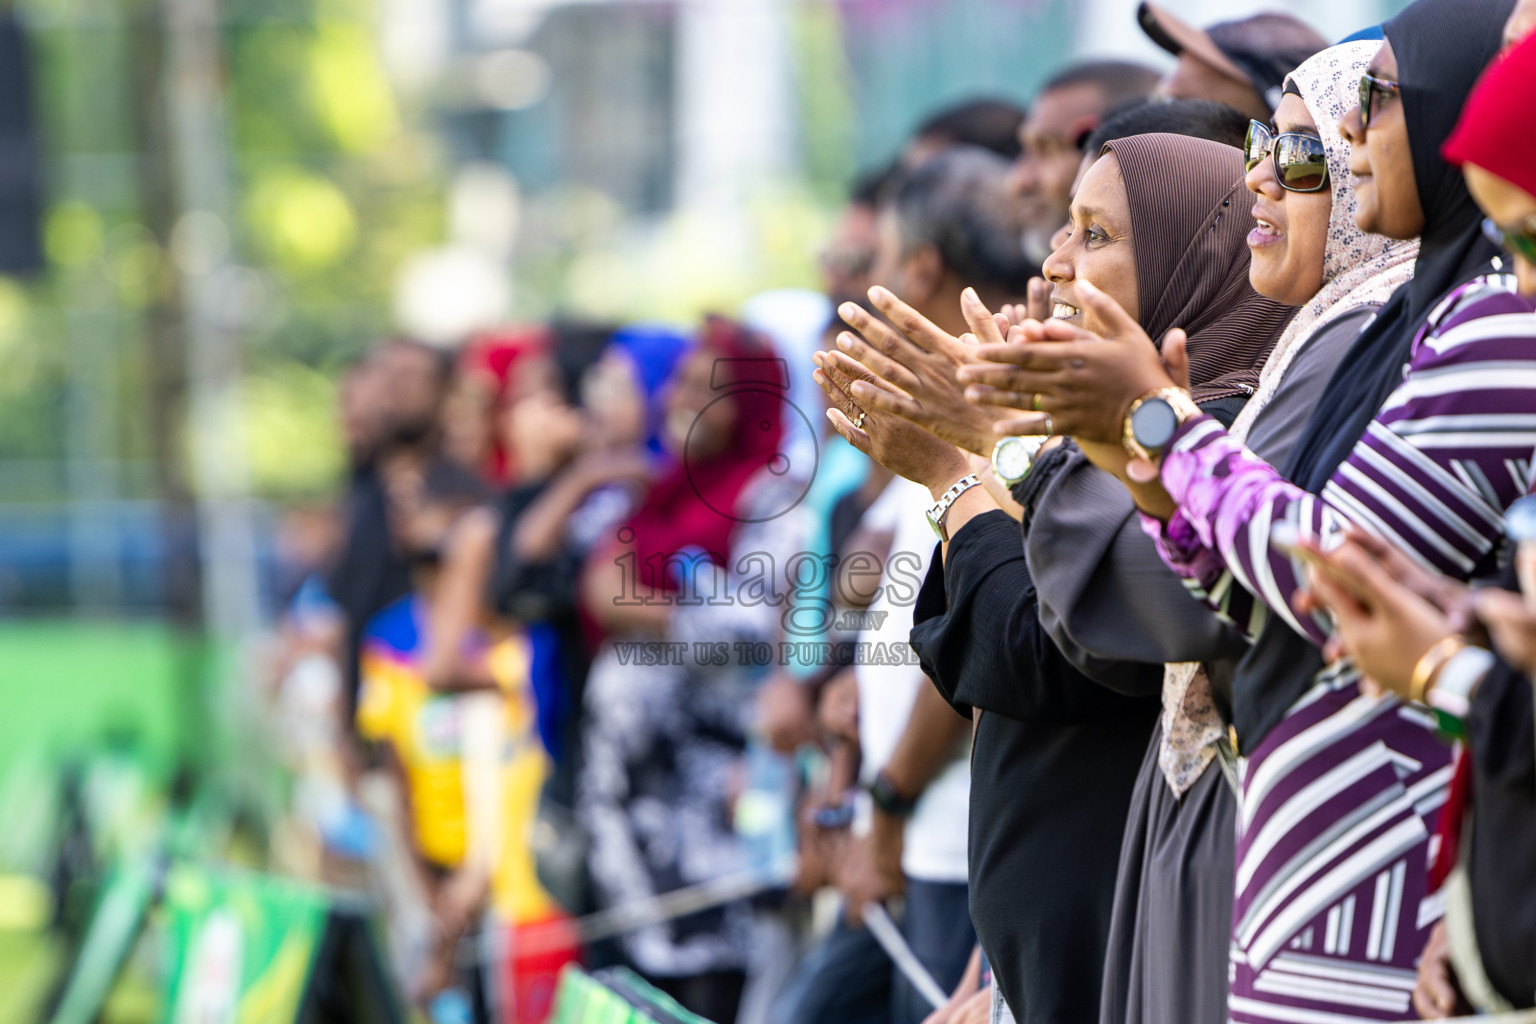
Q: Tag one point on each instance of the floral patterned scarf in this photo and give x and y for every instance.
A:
(1358, 270)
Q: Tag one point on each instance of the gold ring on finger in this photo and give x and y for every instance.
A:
(858, 421)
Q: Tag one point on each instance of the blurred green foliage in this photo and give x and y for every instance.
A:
(336, 181)
(334, 186)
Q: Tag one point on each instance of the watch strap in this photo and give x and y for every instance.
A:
(940, 510)
(887, 799)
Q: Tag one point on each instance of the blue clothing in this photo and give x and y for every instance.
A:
(654, 351)
(849, 979)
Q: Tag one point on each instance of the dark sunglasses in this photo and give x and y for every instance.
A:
(1370, 88)
(1301, 163)
(1519, 239)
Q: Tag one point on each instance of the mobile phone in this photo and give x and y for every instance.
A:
(1285, 537)
(1520, 525)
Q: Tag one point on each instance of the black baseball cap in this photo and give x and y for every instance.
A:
(1260, 50)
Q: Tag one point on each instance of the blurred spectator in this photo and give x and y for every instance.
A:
(413, 379)
(436, 742)
(993, 124)
(949, 225)
(1242, 63)
(989, 123)
(1198, 119)
(1068, 107)
(540, 550)
(850, 252)
(361, 396)
(664, 740)
(479, 397)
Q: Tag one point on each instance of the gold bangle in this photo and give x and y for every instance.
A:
(1429, 666)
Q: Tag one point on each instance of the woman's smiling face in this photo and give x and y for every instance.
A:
(1292, 232)
(1098, 249)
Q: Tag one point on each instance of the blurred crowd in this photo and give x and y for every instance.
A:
(1111, 598)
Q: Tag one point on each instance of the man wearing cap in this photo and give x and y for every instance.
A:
(1241, 63)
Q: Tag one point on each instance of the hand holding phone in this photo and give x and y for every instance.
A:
(1286, 538)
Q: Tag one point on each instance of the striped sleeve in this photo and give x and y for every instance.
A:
(1450, 449)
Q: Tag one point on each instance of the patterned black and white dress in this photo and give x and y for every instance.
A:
(663, 748)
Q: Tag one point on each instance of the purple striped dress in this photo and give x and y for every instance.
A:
(1340, 800)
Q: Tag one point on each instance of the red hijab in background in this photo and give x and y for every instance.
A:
(696, 503)
(1495, 130)
(491, 360)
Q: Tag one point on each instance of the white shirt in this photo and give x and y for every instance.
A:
(935, 842)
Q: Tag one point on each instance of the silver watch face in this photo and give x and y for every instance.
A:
(1154, 423)
(1013, 457)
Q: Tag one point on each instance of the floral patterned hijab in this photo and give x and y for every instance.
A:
(1358, 270)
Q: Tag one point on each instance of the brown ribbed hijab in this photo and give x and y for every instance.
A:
(1189, 227)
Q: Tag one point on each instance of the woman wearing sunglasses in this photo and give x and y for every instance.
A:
(1338, 799)
(1410, 633)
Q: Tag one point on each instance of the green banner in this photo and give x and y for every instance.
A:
(615, 996)
(241, 946)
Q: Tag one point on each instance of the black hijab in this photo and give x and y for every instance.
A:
(1442, 47)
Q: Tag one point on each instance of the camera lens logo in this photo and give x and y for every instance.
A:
(747, 382)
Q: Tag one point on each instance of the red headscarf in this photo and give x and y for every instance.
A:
(1495, 127)
(696, 504)
(492, 359)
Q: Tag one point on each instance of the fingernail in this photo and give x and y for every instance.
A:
(969, 295)
(849, 310)
(845, 341)
(1085, 283)
(830, 417)
(859, 388)
(878, 294)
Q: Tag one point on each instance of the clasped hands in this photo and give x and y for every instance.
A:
(1388, 610)
(1015, 372)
